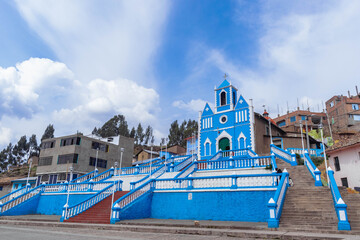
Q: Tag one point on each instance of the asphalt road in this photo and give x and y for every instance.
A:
(16, 232)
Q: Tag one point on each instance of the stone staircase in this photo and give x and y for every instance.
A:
(99, 213)
(352, 200)
(306, 207)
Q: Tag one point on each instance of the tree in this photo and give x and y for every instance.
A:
(178, 134)
(148, 135)
(117, 125)
(34, 149)
(132, 133)
(174, 133)
(49, 132)
(95, 131)
(20, 150)
(139, 134)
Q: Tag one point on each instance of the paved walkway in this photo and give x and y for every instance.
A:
(39, 226)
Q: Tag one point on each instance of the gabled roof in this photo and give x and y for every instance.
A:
(225, 83)
(207, 111)
(241, 103)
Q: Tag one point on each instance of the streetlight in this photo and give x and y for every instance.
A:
(68, 192)
(113, 188)
(151, 149)
(121, 157)
(317, 120)
(27, 180)
(302, 141)
(96, 160)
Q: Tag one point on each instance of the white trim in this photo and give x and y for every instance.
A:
(207, 141)
(223, 135)
(236, 117)
(219, 190)
(241, 135)
(222, 117)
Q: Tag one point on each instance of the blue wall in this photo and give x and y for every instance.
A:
(53, 204)
(141, 208)
(26, 208)
(249, 206)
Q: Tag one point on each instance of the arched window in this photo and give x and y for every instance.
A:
(207, 149)
(222, 98)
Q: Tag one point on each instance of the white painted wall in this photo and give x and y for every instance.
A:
(349, 160)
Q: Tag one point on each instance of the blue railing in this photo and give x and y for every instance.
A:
(284, 155)
(313, 152)
(85, 177)
(275, 205)
(71, 211)
(247, 181)
(180, 164)
(315, 173)
(339, 204)
(12, 195)
(155, 174)
(130, 198)
(235, 163)
(102, 176)
(20, 199)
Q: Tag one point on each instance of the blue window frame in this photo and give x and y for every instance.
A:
(281, 124)
(303, 118)
(293, 119)
(355, 106)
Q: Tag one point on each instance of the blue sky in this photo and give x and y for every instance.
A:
(75, 64)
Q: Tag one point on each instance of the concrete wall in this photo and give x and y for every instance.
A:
(349, 160)
(85, 151)
(250, 206)
(6, 189)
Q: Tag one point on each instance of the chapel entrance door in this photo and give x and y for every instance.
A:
(224, 144)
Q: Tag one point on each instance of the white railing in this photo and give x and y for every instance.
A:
(188, 170)
(219, 182)
(20, 199)
(12, 195)
(184, 163)
(85, 177)
(102, 176)
(283, 154)
(155, 175)
(71, 211)
(216, 156)
(237, 163)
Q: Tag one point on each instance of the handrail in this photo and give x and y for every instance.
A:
(20, 199)
(284, 155)
(188, 170)
(129, 198)
(102, 176)
(158, 172)
(216, 156)
(219, 182)
(71, 211)
(85, 177)
(183, 163)
(262, 161)
(12, 195)
(339, 204)
(236, 153)
(312, 169)
(313, 151)
(76, 187)
(275, 205)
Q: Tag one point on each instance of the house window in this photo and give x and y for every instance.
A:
(45, 145)
(68, 158)
(344, 182)
(337, 164)
(70, 141)
(293, 119)
(356, 117)
(222, 98)
(281, 124)
(1, 188)
(355, 106)
(44, 161)
(303, 118)
(331, 103)
(100, 146)
(267, 132)
(100, 162)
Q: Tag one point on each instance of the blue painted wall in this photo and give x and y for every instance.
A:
(250, 206)
(26, 208)
(53, 204)
(141, 208)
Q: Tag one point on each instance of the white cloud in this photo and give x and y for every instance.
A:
(5, 135)
(105, 39)
(194, 105)
(309, 55)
